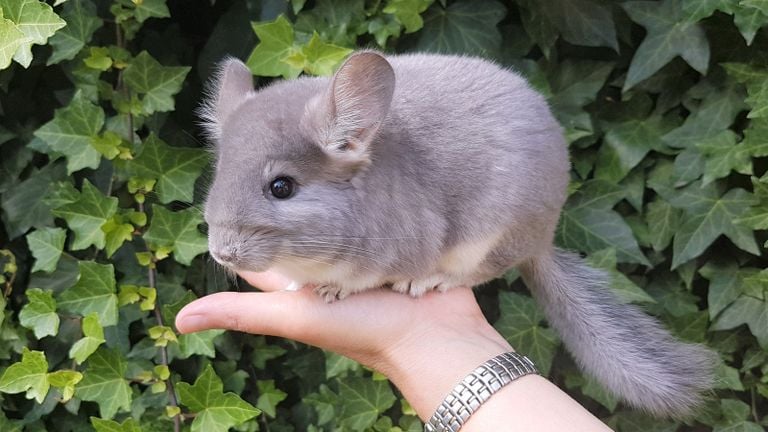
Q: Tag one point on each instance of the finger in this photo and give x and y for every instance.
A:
(282, 313)
(268, 281)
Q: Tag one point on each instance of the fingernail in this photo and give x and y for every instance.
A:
(191, 323)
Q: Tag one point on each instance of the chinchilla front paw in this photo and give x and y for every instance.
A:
(330, 293)
(418, 287)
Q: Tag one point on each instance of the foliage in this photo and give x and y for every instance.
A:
(664, 104)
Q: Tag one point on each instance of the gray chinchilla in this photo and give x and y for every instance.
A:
(424, 172)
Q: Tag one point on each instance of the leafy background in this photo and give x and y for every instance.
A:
(664, 103)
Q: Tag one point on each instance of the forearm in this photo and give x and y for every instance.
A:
(429, 370)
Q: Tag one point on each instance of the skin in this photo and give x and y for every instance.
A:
(402, 337)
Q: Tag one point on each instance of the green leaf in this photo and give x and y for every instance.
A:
(749, 20)
(214, 410)
(30, 375)
(269, 397)
(468, 27)
(363, 400)
(128, 425)
(36, 20)
(199, 343)
(94, 291)
(714, 115)
(156, 82)
(87, 215)
(724, 285)
(11, 39)
(174, 168)
(318, 57)
(71, 132)
(621, 285)
(408, 12)
(581, 22)
(178, 232)
(92, 339)
(756, 81)
(709, 215)
(24, 206)
(589, 224)
(276, 42)
(104, 383)
(82, 22)
(668, 35)
(46, 246)
(263, 352)
(746, 310)
(39, 314)
(625, 146)
(520, 324)
(65, 381)
(724, 155)
(663, 221)
(736, 415)
(146, 9)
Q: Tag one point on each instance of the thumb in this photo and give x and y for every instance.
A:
(281, 313)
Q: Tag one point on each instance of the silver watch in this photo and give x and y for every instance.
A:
(476, 388)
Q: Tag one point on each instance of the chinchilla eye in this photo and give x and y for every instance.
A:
(282, 187)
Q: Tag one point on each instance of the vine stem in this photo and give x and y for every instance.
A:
(152, 276)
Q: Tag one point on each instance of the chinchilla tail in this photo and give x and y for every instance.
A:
(627, 351)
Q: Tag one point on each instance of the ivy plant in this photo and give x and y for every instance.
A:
(103, 168)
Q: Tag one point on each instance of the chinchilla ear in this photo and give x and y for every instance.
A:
(228, 88)
(347, 117)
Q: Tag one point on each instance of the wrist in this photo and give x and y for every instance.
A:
(426, 366)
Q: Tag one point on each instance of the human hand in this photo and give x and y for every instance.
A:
(424, 345)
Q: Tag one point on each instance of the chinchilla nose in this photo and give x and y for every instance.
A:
(226, 255)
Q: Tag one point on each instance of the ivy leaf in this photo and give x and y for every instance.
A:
(663, 220)
(756, 81)
(102, 425)
(146, 9)
(621, 285)
(36, 20)
(269, 397)
(709, 215)
(520, 324)
(198, 343)
(104, 383)
(581, 22)
(714, 115)
(324, 401)
(746, 310)
(276, 42)
(174, 168)
(94, 291)
(156, 82)
(11, 39)
(317, 57)
(736, 415)
(363, 400)
(65, 381)
(87, 215)
(93, 337)
(30, 375)
(748, 20)
(465, 26)
(39, 314)
(71, 132)
(724, 155)
(214, 410)
(589, 223)
(408, 12)
(178, 232)
(725, 282)
(625, 145)
(46, 246)
(668, 35)
(263, 352)
(24, 205)
(82, 21)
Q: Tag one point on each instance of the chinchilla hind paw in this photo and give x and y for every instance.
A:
(627, 351)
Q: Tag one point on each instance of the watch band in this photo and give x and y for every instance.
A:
(476, 388)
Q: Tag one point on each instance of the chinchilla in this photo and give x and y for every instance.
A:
(424, 172)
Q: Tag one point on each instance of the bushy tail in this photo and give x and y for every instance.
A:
(622, 347)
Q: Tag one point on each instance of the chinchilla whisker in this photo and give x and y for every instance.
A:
(288, 257)
(368, 238)
(343, 248)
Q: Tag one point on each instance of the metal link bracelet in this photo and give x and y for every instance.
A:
(477, 388)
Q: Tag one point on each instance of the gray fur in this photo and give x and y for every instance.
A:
(459, 177)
